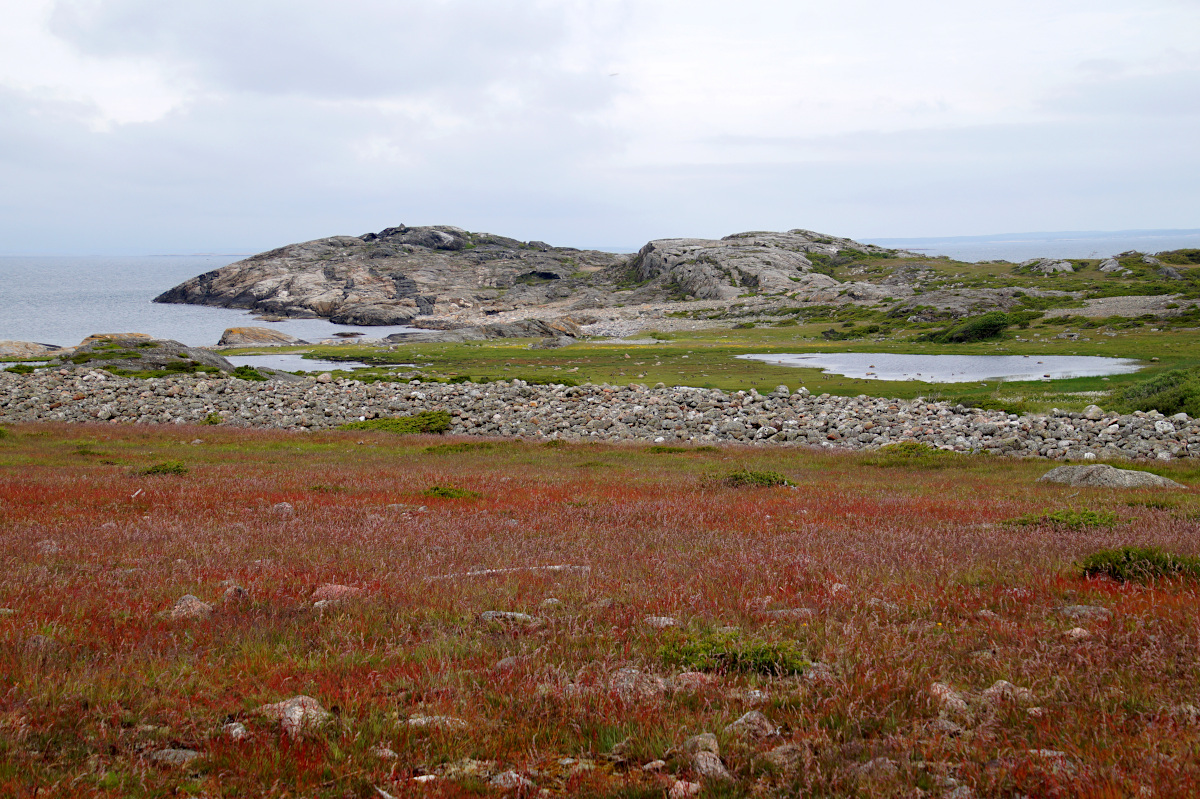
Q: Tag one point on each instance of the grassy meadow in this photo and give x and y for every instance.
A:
(866, 611)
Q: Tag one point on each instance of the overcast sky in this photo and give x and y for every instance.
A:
(143, 126)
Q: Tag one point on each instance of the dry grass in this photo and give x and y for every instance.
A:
(911, 575)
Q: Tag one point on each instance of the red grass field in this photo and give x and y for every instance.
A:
(911, 570)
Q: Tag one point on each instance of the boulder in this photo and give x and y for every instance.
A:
(137, 352)
(1047, 266)
(27, 349)
(296, 715)
(256, 337)
(1102, 475)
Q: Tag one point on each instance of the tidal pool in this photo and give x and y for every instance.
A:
(952, 368)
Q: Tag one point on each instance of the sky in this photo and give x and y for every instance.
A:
(235, 126)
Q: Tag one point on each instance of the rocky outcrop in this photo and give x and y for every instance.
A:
(562, 327)
(256, 337)
(1047, 266)
(404, 275)
(137, 352)
(27, 349)
(394, 276)
(722, 269)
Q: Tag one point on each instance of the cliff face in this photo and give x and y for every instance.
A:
(394, 276)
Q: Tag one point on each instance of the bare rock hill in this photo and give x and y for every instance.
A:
(402, 273)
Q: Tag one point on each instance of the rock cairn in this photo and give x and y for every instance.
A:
(597, 413)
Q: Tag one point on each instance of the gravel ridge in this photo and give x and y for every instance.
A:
(661, 414)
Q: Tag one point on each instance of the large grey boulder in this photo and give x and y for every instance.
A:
(1104, 476)
(27, 349)
(1047, 266)
(256, 337)
(138, 352)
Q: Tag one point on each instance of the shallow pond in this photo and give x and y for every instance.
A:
(952, 368)
(292, 362)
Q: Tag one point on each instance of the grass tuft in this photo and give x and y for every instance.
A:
(450, 492)
(726, 653)
(759, 479)
(911, 453)
(166, 467)
(1071, 518)
(423, 422)
(462, 446)
(1138, 564)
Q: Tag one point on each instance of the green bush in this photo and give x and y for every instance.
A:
(1138, 563)
(167, 467)
(4, 433)
(213, 418)
(1176, 391)
(1180, 257)
(725, 653)
(911, 453)
(749, 479)
(463, 446)
(662, 449)
(423, 422)
(979, 328)
(1071, 518)
(450, 492)
(21, 369)
(249, 373)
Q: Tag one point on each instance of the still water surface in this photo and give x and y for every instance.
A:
(952, 368)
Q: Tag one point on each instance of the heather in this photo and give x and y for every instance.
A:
(522, 617)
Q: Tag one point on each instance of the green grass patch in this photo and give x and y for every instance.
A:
(450, 492)
(21, 369)
(911, 453)
(423, 422)
(1169, 393)
(1138, 564)
(663, 449)
(1070, 518)
(978, 328)
(723, 652)
(249, 373)
(462, 446)
(756, 479)
(166, 467)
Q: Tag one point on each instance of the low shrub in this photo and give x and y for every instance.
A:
(423, 422)
(1138, 564)
(213, 418)
(663, 449)
(911, 453)
(450, 492)
(1169, 393)
(978, 328)
(248, 373)
(1072, 518)
(4, 433)
(751, 479)
(166, 467)
(462, 446)
(726, 653)
(21, 369)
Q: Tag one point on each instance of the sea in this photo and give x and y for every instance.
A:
(63, 299)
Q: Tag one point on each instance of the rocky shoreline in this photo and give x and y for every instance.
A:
(660, 415)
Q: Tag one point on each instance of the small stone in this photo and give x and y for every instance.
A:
(190, 607)
(1086, 612)
(681, 789)
(48, 547)
(950, 701)
(753, 725)
(425, 778)
(786, 757)
(709, 766)
(509, 663)
(633, 685)
(1037, 712)
(235, 593)
(335, 593)
(790, 613)
(691, 681)
(174, 757)
(661, 622)
(236, 731)
(283, 508)
(436, 723)
(880, 768)
(655, 766)
(507, 617)
(1003, 691)
(325, 377)
(383, 753)
(704, 742)
(1078, 634)
(297, 715)
(511, 781)
(550, 602)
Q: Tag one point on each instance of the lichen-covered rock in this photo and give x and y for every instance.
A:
(256, 337)
(1101, 475)
(297, 715)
